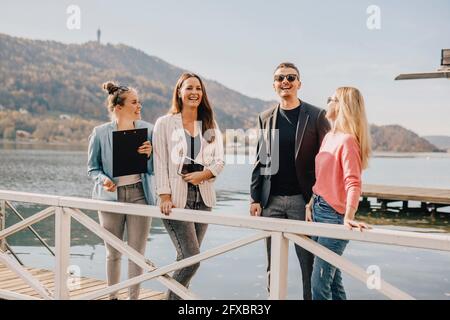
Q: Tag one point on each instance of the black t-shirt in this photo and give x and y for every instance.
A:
(193, 145)
(285, 182)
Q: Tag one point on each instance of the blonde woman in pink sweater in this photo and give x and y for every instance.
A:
(344, 153)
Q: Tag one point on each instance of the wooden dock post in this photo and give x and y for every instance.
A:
(429, 198)
(365, 203)
(384, 204)
(278, 266)
(62, 245)
(424, 206)
(2, 223)
(405, 205)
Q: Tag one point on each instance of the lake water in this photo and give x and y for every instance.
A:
(240, 274)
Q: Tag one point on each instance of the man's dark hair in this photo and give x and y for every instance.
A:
(287, 65)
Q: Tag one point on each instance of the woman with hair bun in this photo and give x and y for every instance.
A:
(124, 108)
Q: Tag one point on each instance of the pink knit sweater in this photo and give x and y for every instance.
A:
(338, 171)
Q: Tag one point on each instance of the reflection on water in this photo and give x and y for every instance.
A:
(8, 145)
(46, 229)
(437, 223)
(63, 172)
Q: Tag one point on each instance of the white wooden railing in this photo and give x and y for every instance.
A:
(279, 230)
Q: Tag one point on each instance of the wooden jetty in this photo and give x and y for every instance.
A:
(11, 282)
(430, 198)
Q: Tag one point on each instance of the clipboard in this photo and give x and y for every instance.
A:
(126, 159)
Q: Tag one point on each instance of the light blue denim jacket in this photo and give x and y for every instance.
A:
(100, 162)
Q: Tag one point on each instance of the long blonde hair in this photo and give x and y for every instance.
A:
(351, 119)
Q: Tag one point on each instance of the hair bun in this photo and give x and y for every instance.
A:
(110, 87)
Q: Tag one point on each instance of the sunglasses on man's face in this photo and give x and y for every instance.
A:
(330, 99)
(289, 77)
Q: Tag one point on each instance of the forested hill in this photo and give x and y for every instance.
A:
(47, 77)
(395, 138)
(52, 91)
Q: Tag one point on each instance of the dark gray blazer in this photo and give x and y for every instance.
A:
(312, 126)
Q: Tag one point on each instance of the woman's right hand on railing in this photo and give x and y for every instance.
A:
(109, 186)
(166, 204)
(350, 224)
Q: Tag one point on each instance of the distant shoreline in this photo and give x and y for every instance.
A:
(83, 146)
(44, 145)
(390, 154)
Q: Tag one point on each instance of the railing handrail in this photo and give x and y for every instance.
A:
(381, 236)
(280, 231)
(32, 230)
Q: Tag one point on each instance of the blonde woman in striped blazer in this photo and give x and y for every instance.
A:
(188, 130)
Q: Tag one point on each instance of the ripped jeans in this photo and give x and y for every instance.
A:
(326, 278)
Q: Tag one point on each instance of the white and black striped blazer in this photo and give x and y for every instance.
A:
(169, 146)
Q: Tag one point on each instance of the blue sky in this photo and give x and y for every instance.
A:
(238, 43)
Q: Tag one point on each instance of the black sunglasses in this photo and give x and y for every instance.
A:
(121, 88)
(289, 77)
(330, 99)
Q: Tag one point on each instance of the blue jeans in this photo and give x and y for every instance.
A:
(326, 278)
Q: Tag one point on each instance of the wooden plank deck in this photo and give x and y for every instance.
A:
(430, 195)
(9, 281)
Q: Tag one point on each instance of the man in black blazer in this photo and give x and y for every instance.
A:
(290, 136)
